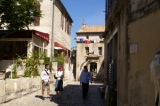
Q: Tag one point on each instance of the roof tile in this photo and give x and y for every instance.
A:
(91, 29)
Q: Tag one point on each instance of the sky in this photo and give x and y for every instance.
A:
(91, 11)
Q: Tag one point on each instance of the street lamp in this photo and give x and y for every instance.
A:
(52, 33)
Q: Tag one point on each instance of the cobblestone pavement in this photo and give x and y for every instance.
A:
(72, 96)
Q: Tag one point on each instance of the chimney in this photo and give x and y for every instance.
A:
(83, 24)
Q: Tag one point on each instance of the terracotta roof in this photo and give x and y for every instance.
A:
(91, 29)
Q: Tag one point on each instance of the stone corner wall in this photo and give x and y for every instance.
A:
(15, 88)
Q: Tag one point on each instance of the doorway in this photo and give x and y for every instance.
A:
(93, 68)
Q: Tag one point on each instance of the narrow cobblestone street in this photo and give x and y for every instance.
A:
(72, 96)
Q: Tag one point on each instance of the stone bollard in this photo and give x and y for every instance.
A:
(36, 83)
(13, 88)
(26, 85)
(2, 91)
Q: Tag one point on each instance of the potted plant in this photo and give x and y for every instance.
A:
(32, 72)
(31, 65)
(18, 59)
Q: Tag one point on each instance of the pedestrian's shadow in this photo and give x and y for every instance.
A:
(72, 95)
(39, 96)
(55, 99)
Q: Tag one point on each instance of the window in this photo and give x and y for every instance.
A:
(37, 19)
(66, 24)
(62, 20)
(68, 27)
(100, 36)
(8, 49)
(87, 37)
(99, 50)
(87, 50)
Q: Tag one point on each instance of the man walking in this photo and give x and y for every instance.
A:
(45, 75)
(84, 80)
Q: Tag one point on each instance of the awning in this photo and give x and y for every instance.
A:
(59, 46)
(23, 34)
(41, 34)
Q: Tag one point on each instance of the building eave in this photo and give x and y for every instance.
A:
(90, 32)
(113, 15)
(65, 10)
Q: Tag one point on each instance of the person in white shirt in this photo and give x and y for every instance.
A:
(85, 77)
(59, 82)
(45, 75)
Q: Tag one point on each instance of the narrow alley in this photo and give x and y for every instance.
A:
(72, 96)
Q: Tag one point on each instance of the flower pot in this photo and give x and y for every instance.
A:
(19, 61)
(41, 61)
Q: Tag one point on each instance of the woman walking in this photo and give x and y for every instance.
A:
(59, 82)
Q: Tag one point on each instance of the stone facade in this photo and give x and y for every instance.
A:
(93, 61)
(53, 16)
(131, 40)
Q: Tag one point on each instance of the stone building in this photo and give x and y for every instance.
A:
(50, 32)
(131, 41)
(57, 22)
(90, 50)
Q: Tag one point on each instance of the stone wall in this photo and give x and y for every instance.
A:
(138, 9)
(146, 37)
(68, 73)
(46, 21)
(51, 19)
(15, 88)
(60, 34)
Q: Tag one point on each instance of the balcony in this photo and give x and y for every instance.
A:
(92, 56)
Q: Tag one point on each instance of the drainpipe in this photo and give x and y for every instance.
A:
(51, 57)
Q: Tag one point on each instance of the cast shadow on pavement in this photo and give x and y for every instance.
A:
(39, 96)
(72, 96)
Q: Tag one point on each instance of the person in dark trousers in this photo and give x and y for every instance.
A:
(85, 77)
(113, 94)
(59, 82)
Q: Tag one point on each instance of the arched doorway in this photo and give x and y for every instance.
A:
(93, 68)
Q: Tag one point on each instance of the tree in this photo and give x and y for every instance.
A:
(18, 14)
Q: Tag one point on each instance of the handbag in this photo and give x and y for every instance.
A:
(55, 76)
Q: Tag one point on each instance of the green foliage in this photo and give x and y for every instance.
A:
(46, 60)
(18, 14)
(42, 55)
(32, 63)
(59, 58)
(14, 73)
(16, 56)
